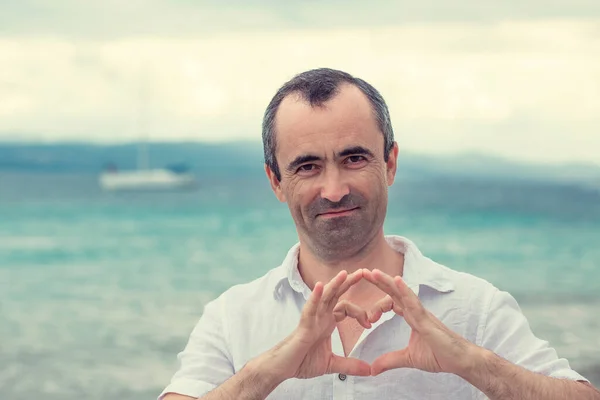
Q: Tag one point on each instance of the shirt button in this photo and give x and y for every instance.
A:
(342, 377)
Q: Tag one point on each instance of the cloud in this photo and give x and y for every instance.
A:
(112, 19)
(525, 89)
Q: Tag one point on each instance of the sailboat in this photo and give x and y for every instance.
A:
(146, 179)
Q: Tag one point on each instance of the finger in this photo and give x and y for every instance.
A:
(349, 366)
(384, 282)
(405, 291)
(415, 312)
(331, 288)
(313, 301)
(351, 280)
(394, 359)
(346, 309)
(381, 307)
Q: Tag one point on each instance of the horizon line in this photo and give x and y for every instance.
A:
(441, 156)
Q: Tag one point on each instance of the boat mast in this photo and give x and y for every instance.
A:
(143, 158)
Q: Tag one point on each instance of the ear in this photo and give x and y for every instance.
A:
(275, 184)
(392, 164)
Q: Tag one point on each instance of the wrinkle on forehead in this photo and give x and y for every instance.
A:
(344, 121)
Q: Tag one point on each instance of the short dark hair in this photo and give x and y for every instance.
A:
(317, 86)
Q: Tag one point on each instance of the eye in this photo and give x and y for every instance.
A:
(355, 159)
(306, 169)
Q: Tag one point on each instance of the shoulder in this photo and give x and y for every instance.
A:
(461, 283)
(460, 299)
(438, 279)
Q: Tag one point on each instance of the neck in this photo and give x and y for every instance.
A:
(377, 253)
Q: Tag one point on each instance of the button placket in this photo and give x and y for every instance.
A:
(340, 385)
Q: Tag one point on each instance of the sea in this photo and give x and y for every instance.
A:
(100, 291)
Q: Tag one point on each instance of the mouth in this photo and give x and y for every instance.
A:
(338, 213)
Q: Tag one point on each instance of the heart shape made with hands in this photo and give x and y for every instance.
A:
(392, 301)
(432, 346)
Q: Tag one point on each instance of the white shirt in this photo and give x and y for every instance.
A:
(251, 318)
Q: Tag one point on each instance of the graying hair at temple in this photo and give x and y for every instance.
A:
(317, 86)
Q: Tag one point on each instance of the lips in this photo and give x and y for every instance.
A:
(338, 211)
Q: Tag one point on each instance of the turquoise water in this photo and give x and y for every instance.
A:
(100, 291)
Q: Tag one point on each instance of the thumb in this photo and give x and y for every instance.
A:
(349, 366)
(392, 360)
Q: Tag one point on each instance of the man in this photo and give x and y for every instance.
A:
(352, 313)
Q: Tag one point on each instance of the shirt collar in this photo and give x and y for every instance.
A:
(418, 270)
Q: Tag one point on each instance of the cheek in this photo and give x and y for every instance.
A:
(297, 192)
(372, 178)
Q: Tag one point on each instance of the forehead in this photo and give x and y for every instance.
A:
(345, 120)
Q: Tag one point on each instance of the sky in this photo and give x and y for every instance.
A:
(516, 80)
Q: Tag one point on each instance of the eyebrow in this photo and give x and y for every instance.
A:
(305, 158)
(356, 150)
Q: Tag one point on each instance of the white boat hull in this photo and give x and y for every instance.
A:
(154, 179)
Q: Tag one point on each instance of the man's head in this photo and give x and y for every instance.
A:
(329, 146)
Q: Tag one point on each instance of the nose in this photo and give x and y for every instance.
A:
(334, 187)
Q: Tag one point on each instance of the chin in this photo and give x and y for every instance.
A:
(341, 239)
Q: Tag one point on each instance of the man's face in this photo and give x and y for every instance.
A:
(333, 174)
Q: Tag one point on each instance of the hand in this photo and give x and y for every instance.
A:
(307, 353)
(432, 346)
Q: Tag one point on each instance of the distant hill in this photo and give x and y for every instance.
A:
(247, 157)
(73, 157)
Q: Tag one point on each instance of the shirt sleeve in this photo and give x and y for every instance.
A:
(205, 361)
(508, 334)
